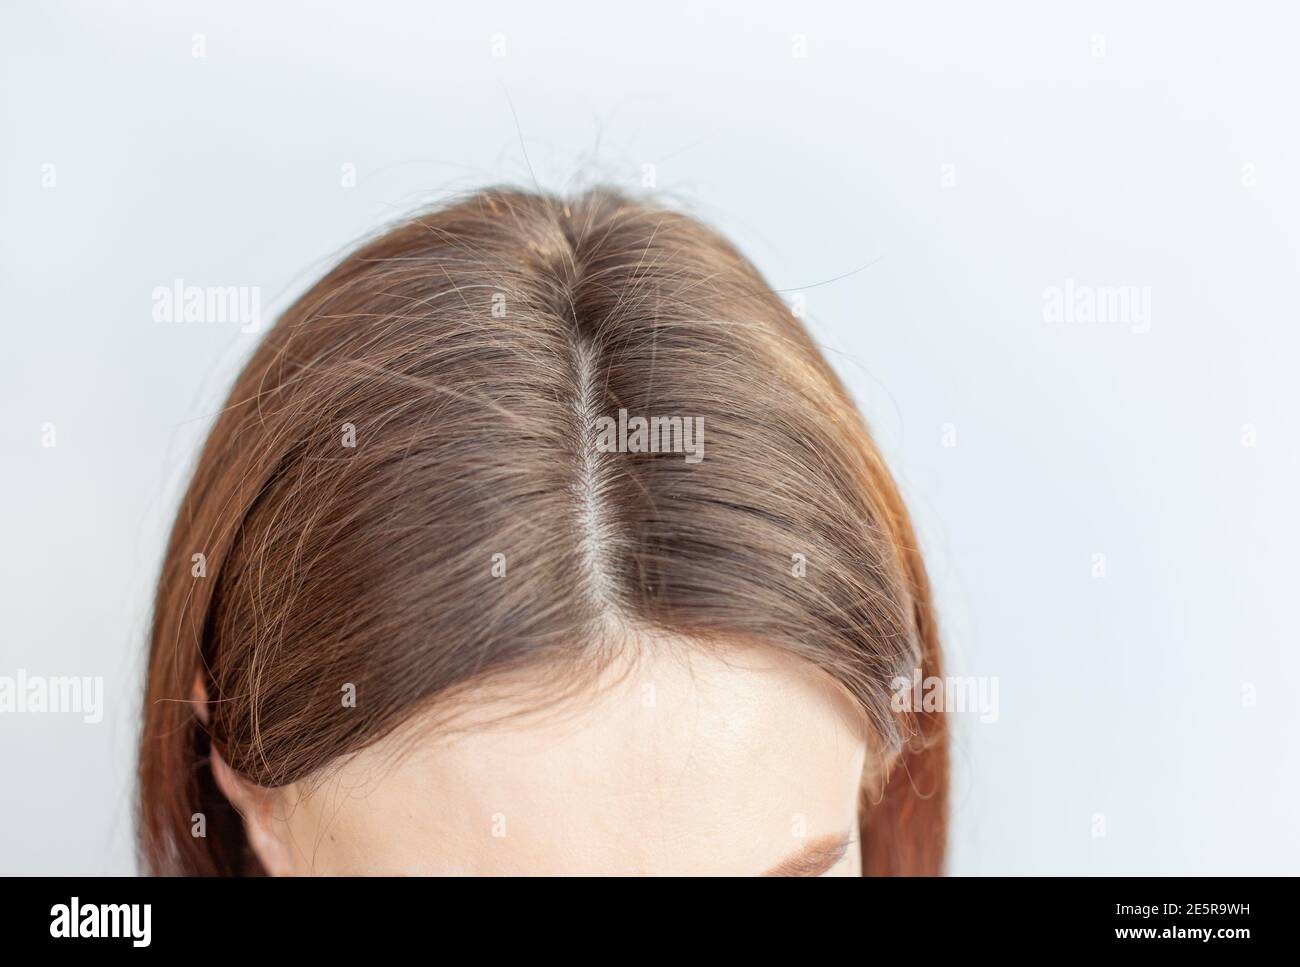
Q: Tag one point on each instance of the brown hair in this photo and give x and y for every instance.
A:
(467, 354)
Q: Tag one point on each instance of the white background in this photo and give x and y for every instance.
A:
(1168, 163)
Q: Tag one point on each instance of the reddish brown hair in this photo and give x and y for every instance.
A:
(468, 352)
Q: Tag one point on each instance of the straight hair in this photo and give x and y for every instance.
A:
(427, 410)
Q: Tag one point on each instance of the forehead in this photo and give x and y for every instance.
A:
(678, 762)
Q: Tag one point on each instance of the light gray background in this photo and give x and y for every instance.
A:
(1168, 163)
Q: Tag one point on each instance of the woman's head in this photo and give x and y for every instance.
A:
(538, 537)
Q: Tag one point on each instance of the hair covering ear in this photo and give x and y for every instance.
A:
(199, 698)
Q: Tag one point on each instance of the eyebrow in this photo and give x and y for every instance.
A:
(815, 857)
